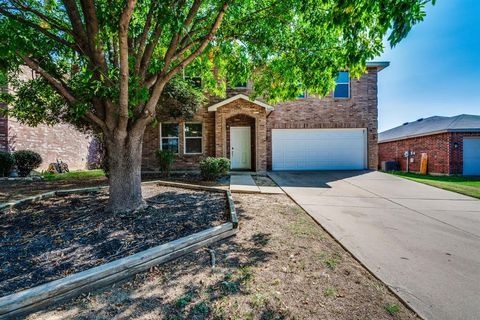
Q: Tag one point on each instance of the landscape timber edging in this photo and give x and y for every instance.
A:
(38, 297)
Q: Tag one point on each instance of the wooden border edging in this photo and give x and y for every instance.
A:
(33, 299)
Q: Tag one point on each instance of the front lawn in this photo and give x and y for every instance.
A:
(465, 185)
(78, 174)
(280, 265)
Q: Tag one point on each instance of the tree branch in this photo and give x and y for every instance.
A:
(38, 28)
(143, 38)
(124, 67)
(77, 24)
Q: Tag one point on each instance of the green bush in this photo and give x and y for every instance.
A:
(165, 160)
(214, 168)
(7, 161)
(26, 161)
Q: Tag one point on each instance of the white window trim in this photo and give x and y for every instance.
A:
(349, 83)
(185, 138)
(161, 137)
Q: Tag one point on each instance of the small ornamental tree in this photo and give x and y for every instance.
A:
(103, 65)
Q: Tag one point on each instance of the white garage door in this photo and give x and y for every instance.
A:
(319, 149)
(471, 156)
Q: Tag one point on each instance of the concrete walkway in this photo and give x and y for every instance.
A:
(243, 183)
(421, 241)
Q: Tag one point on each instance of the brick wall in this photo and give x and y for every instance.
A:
(436, 146)
(61, 141)
(443, 157)
(151, 143)
(232, 110)
(360, 111)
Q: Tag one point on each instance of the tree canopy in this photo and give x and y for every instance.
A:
(106, 63)
(284, 46)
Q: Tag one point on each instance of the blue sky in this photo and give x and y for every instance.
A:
(436, 69)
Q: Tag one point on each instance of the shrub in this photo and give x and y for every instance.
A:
(214, 168)
(165, 160)
(7, 161)
(26, 161)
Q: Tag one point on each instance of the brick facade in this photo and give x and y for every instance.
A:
(360, 111)
(444, 150)
(61, 141)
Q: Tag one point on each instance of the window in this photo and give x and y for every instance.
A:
(241, 85)
(193, 138)
(169, 135)
(342, 89)
(302, 95)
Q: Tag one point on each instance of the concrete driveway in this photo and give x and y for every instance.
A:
(421, 241)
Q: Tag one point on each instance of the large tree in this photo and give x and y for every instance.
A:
(105, 63)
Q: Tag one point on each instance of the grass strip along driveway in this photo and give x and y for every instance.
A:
(469, 186)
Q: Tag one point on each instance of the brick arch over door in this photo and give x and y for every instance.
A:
(242, 120)
(242, 107)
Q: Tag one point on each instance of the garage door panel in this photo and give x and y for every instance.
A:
(471, 156)
(318, 149)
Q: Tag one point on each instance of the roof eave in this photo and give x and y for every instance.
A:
(379, 65)
(428, 134)
(236, 97)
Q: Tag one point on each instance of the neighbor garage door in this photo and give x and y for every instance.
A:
(471, 156)
(319, 149)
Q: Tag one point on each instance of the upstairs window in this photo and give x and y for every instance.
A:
(169, 136)
(193, 138)
(342, 88)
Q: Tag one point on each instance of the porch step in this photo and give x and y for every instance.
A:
(243, 183)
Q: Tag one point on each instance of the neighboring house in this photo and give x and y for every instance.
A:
(452, 144)
(336, 132)
(61, 141)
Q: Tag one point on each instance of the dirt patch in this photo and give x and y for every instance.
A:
(59, 236)
(281, 265)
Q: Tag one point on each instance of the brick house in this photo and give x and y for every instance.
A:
(452, 144)
(336, 132)
(60, 141)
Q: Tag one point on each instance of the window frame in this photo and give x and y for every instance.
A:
(162, 137)
(185, 138)
(349, 84)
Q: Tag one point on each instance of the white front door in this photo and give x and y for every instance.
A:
(240, 148)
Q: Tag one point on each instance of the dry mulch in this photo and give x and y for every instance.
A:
(55, 237)
(14, 190)
(280, 265)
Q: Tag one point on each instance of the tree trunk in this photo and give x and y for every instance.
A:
(124, 163)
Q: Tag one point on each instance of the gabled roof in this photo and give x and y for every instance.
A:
(432, 125)
(239, 96)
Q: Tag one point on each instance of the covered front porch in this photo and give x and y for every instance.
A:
(241, 132)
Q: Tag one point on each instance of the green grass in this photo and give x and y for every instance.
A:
(392, 308)
(465, 185)
(80, 174)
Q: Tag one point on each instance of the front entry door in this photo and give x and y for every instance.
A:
(240, 148)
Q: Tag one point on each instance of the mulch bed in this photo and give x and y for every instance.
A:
(56, 237)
